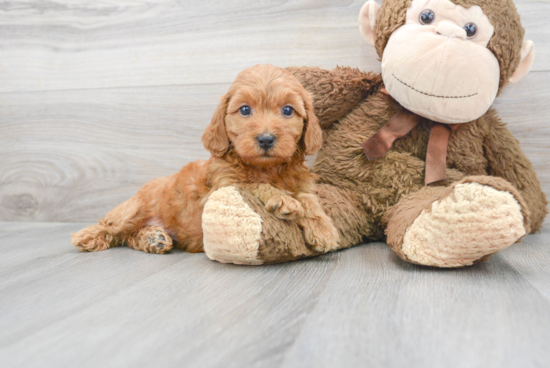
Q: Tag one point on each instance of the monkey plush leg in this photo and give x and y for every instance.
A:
(458, 225)
(151, 239)
(239, 229)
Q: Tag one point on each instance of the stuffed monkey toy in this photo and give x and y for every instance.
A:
(415, 156)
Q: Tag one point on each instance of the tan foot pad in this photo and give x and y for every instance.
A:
(473, 221)
(232, 230)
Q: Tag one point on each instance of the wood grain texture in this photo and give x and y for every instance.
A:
(49, 45)
(97, 44)
(99, 97)
(73, 155)
(361, 307)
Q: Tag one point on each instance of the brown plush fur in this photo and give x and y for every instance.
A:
(505, 44)
(367, 199)
(382, 183)
(170, 208)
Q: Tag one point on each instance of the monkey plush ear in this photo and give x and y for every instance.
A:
(367, 20)
(215, 137)
(527, 58)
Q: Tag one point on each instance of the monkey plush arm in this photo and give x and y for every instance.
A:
(507, 160)
(336, 91)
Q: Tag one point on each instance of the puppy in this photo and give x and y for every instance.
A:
(258, 137)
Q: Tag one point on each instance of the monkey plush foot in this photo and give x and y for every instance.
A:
(467, 222)
(239, 229)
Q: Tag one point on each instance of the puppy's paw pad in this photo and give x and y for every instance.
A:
(157, 241)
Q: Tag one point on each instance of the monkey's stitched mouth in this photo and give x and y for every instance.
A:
(429, 94)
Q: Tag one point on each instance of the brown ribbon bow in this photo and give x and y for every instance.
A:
(401, 124)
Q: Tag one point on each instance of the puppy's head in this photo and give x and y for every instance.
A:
(266, 118)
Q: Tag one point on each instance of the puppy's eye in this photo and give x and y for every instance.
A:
(471, 30)
(287, 111)
(427, 16)
(245, 110)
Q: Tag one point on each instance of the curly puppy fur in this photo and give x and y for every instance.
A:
(170, 208)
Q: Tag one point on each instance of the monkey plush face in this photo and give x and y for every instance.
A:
(437, 64)
(437, 61)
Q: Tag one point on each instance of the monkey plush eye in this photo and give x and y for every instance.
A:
(471, 30)
(288, 111)
(245, 110)
(427, 16)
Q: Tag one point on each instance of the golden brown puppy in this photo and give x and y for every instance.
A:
(259, 137)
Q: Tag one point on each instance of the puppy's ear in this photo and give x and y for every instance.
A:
(215, 137)
(313, 135)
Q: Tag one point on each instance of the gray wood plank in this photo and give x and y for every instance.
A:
(89, 44)
(43, 278)
(167, 318)
(524, 107)
(355, 308)
(531, 260)
(72, 156)
(26, 242)
(68, 45)
(392, 314)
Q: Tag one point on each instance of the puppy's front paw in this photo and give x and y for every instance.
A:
(321, 234)
(285, 207)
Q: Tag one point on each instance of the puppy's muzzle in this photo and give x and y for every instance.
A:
(266, 141)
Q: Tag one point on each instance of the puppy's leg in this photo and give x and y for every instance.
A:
(122, 221)
(319, 231)
(277, 201)
(92, 238)
(151, 239)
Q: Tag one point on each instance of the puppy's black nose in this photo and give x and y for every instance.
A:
(266, 141)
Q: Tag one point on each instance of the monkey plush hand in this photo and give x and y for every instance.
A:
(415, 156)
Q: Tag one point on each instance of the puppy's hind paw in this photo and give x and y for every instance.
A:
(285, 207)
(91, 239)
(151, 239)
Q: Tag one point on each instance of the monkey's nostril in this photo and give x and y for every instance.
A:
(266, 141)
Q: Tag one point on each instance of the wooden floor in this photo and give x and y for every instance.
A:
(361, 307)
